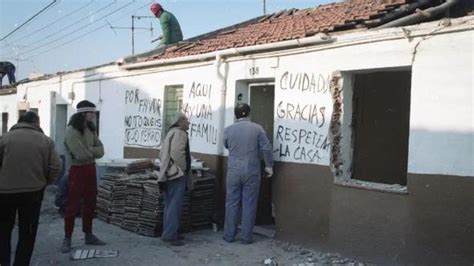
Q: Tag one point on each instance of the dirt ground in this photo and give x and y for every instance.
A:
(203, 247)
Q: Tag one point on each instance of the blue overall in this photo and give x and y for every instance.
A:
(245, 141)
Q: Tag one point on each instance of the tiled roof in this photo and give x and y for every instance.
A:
(294, 24)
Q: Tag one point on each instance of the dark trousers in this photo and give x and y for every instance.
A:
(82, 184)
(28, 206)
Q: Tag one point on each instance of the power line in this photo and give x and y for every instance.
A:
(74, 23)
(85, 34)
(30, 19)
(26, 36)
(76, 30)
(61, 30)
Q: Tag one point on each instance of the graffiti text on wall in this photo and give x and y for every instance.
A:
(311, 113)
(302, 121)
(305, 82)
(301, 144)
(142, 120)
(198, 109)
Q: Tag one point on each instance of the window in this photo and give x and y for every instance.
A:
(370, 128)
(21, 112)
(381, 120)
(173, 104)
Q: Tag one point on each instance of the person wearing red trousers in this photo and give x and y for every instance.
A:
(83, 148)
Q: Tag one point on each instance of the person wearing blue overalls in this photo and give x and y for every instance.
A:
(245, 141)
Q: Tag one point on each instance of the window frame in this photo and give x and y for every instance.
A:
(341, 134)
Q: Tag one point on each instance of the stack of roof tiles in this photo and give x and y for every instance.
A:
(294, 24)
(134, 202)
(202, 200)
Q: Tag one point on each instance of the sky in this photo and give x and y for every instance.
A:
(75, 34)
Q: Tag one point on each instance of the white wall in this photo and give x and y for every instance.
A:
(441, 134)
(141, 96)
(303, 102)
(36, 95)
(8, 104)
(442, 114)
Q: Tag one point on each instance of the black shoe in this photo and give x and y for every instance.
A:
(228, 240)
(66, 247)
(246, 242)
(175, 243)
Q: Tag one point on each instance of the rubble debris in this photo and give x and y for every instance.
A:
(82, 254)
(270, 262)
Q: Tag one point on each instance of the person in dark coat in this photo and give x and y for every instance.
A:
(7, 69)
(28, 162)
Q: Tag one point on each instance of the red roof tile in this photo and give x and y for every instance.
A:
(293, 24)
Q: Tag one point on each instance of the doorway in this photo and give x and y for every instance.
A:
(60, 134)
(4, 122)
(262, 100)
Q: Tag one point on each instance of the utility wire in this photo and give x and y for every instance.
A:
(85, 34)
(30, 19)
(61, 30)
(72, 24)
(26, 36)
(76, 30)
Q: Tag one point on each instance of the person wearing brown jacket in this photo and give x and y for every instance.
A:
(174, 177)
(28, 162)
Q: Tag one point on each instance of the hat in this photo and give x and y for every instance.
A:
(177, 118)
(85, 106)
(155, 8)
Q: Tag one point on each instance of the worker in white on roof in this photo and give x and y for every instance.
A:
(169, 25)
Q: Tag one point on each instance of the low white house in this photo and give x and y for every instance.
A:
(372, 130)
(8, 108)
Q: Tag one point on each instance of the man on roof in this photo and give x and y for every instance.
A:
(171, 31)
(7, 69)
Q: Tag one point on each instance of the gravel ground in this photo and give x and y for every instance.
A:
(203, 247)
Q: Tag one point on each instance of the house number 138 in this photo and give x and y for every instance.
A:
(253, 71)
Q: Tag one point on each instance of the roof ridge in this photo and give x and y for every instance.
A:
(289, 24)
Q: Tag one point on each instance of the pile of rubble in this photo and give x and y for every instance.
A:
(132, 200)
